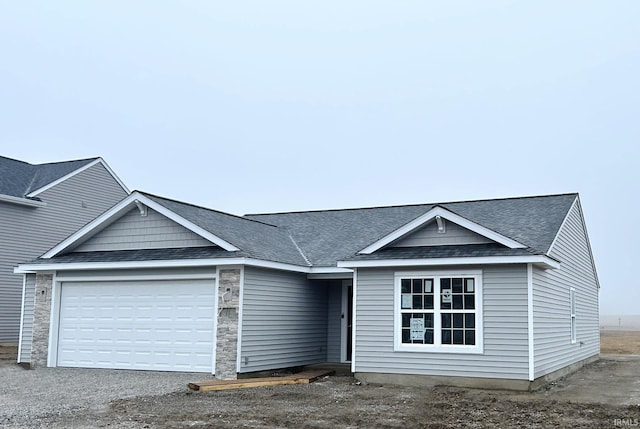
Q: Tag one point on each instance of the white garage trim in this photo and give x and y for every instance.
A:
(135, 329)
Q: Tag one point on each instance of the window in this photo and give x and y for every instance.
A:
(572, 304)
(439, 311)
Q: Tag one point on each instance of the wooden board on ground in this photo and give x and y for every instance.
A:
(305, 377)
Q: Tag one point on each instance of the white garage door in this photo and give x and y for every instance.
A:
(150, 325)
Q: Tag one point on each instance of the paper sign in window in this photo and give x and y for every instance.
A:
(446, 296)
(417, 329)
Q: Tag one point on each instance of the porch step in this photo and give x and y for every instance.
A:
(8, 354)
(305, 377)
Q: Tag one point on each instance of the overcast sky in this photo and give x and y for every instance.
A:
(258, 106)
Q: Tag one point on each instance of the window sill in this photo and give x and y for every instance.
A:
(420, 348)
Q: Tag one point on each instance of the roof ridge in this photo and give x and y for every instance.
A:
(414, 205)
(67, 161)
(203, 208)
(299, 249)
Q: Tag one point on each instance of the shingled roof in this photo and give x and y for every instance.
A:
(322, 238)
(331, 235)
(19, 178)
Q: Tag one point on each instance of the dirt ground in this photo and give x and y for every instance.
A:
(604, 394)
(578, 401)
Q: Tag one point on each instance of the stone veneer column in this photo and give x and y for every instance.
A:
(227, 331)
(41, 321)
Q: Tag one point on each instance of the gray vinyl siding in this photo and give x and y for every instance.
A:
(505, 328)
(28, 232)
(429, 236)
(24, 354)
(334, 321)
(133, 231)
(551, 301)
(284, 320)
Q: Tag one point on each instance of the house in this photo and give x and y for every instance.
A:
(492, 293)
(41, 204)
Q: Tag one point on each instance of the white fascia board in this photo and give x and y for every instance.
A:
(22, 201)
(175, 263)
(448, 215)
(187, 224)
(564, 222)
(545, 261)
(80, 170)
(127, 204)
(330, 270)
(91, 226)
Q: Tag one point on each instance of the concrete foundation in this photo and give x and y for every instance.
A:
(415, 380)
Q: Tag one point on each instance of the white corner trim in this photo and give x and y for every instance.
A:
(530, 336)
(444, 214)
(54, 320)
(216, 303)
(22, 201)
(24, 288)
(240, 315)
(354, 315)
(542, 260)
(133, 200)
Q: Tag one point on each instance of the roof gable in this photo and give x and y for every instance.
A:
(437, 213)
(141, 229)
(25, 181)
(134, 200)
(440, 233)
(229, 232)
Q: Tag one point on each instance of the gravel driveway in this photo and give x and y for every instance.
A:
(28, 396)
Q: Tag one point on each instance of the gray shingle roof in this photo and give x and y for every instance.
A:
(142, 255)
(254, 238)
(452, 251)
(18, 178)
(321, 238)
(331, 235)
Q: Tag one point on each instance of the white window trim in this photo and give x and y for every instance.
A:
(572, 312)
(438, 348)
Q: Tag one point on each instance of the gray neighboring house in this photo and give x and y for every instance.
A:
(40, 205)
(493, 293)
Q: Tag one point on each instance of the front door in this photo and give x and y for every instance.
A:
(347, 320)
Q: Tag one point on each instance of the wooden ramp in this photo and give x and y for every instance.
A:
(305, 377)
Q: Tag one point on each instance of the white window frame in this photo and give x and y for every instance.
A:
(437, 347)
(572, 312)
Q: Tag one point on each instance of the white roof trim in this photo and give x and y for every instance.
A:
(540, 260)
(564, 221)
(446, 214)
(576, 202)
(22, 201)
(127, 203)
(173, 263)
(80, 170)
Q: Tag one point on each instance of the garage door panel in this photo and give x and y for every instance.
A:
(161, 325)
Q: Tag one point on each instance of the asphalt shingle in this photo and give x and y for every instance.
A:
(18, 178)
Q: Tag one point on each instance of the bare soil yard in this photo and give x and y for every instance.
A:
(605, 394)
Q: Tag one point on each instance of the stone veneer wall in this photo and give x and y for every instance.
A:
(41, 321)
(227, 332)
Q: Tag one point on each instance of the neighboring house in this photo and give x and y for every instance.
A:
(39, 206)
(493, 293)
